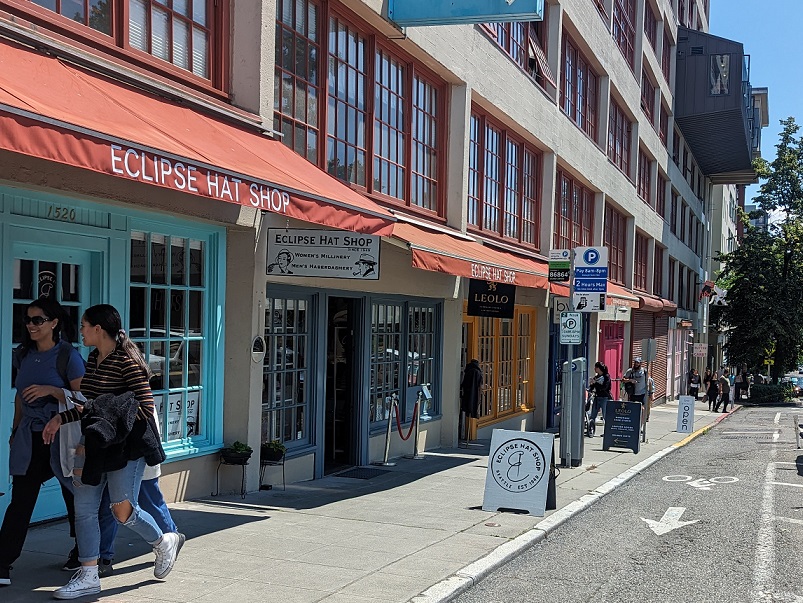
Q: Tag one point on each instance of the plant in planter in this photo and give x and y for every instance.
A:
(272, 451)
(236, 454)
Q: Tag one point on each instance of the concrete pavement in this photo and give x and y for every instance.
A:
(415, 531)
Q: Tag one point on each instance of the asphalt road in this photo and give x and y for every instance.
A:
(742, 486)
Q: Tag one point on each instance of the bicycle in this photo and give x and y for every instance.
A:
(589, 426)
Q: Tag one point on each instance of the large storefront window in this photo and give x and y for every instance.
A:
(169, 303)
(285, 399)
(403, 348)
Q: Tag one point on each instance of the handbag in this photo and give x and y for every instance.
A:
(69, 433)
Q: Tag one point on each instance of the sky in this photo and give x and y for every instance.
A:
(773, 37)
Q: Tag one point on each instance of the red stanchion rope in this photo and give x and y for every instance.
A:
(398, 422)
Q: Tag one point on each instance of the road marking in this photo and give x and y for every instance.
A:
(701, 483)
(787, 484)
(723, 480)
(764, 568)
(670, 521)
(790, 520)
(677, 478)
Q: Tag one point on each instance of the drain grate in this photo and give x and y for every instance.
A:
(362, 473)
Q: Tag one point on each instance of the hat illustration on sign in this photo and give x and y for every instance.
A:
(366, 258)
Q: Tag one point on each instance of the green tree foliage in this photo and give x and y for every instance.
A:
(764, 275)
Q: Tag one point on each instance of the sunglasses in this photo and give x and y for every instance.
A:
(35, 320)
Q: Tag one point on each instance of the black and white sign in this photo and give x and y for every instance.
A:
(322, 253)
(571, 328)
(622, 425)
(491, 299)
(560, 263)
(518, 471)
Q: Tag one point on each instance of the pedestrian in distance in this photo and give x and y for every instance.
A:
(636, 376)
(713, 390)
(707, 377)
(601, 387)
(116, 381)
(694, 384)
(724, 392)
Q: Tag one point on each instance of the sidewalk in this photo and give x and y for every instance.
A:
(414, 528)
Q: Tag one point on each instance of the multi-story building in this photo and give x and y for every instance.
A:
(165, 157)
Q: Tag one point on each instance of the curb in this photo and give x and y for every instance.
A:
(464, 579)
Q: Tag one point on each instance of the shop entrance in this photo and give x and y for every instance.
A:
(44, 265)
(340, 440)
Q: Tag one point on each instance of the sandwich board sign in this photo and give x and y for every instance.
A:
(685, 414)
(518, 471)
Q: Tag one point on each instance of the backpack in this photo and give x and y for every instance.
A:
(62, 362)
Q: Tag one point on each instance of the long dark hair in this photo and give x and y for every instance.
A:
(64, 329)
(601, 366)
(108, 318)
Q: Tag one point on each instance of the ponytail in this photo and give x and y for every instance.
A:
(131, 350)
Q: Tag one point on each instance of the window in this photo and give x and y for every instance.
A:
(666, 56)
(663, 129)
(403, 352)
(647, 97)
(624, 28)
(650, 26)
(619, 137)
(574, 213)
(676, 148)
(525, 43)
(171, 322)
(640, 263)
(660, 197)
(673, 270)
(658, 271)
(504, 182)
(578, 95)
(286, 371)
(615, 239)
(682, 286)
(673, 214)
(184, 36)
(600, 4)
(644, 181)
(504, 350)
(684, 211)
(380, 112)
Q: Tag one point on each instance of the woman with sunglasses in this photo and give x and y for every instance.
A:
(44, 364)
(115, 367)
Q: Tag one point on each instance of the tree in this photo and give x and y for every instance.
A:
(764, 276)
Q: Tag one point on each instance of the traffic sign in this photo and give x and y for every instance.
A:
(571, 324)
(560, 261)
(590, 278)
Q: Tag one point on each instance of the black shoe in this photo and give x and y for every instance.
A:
(72, 562)
(105, 568)
(5, 576)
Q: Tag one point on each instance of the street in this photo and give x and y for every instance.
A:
(719, 520)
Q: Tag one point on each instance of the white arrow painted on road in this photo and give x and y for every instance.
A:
(670, 521)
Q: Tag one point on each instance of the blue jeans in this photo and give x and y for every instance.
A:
(150, 500)
(599, 405)
(123, 485)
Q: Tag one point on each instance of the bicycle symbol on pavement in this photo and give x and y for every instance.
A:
(700, 483)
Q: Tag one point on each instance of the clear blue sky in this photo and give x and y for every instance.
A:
(772, 34)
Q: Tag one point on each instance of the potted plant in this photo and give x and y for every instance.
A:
(236, 454)
(272, 451)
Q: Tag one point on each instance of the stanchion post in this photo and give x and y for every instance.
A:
(384, 462)
(417, 418)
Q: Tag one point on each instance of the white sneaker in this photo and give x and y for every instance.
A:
(166, 553)
(83, 582)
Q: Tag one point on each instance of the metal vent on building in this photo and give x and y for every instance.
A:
(697, 50)
(362, 473)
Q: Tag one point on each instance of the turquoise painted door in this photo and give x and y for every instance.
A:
(44, 264)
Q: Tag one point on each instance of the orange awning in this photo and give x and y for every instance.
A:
(56, 111)
(670, 307)
(441, 252)
(619, 296)
(650, 303)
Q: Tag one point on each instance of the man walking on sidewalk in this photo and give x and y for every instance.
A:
(724, 392)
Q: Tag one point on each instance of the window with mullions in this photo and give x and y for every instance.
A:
(644, 180)
(640, 263)
(624, 28)
(614, 238)
(578, 92)
(180, 32)
(658, 271)
(525, 43)
(504, 183)
(620, 131)
(574, 213)
(168, 302)
(286, 372)
(650, 26)
(403, 353)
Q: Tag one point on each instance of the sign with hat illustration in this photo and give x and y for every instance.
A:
(322, 253)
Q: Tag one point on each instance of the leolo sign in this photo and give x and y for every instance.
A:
(410, 13)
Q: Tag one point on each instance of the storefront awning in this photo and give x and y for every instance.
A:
(441, 252)
(670, 307)
(56, 111)
(619, 296)
(650, 303)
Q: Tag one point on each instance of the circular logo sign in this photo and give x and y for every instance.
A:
(591, 256)
(518, 465)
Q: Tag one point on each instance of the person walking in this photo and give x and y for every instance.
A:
(694, 384)
(724, 392)
(43, 365)
(637, 376)
(712, 390)
(601, 386)
(116, 381)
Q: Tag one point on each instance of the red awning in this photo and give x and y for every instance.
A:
(650, 303)
(670, 307)
(619, 296)
(59, 112)
(441, 252)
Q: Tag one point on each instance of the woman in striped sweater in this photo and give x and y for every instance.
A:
(116, 367)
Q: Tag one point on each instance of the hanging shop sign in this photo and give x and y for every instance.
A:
(700, 350)
(410, 13)
(322, 253)
(491, 299)
(518, 471)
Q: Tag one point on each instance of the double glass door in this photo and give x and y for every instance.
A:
(57, 266)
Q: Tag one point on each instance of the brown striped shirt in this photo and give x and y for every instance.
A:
(117, 374)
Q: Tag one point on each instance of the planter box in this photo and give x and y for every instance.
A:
(235, 458)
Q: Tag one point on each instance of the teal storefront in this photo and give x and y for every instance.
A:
(164, 273)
